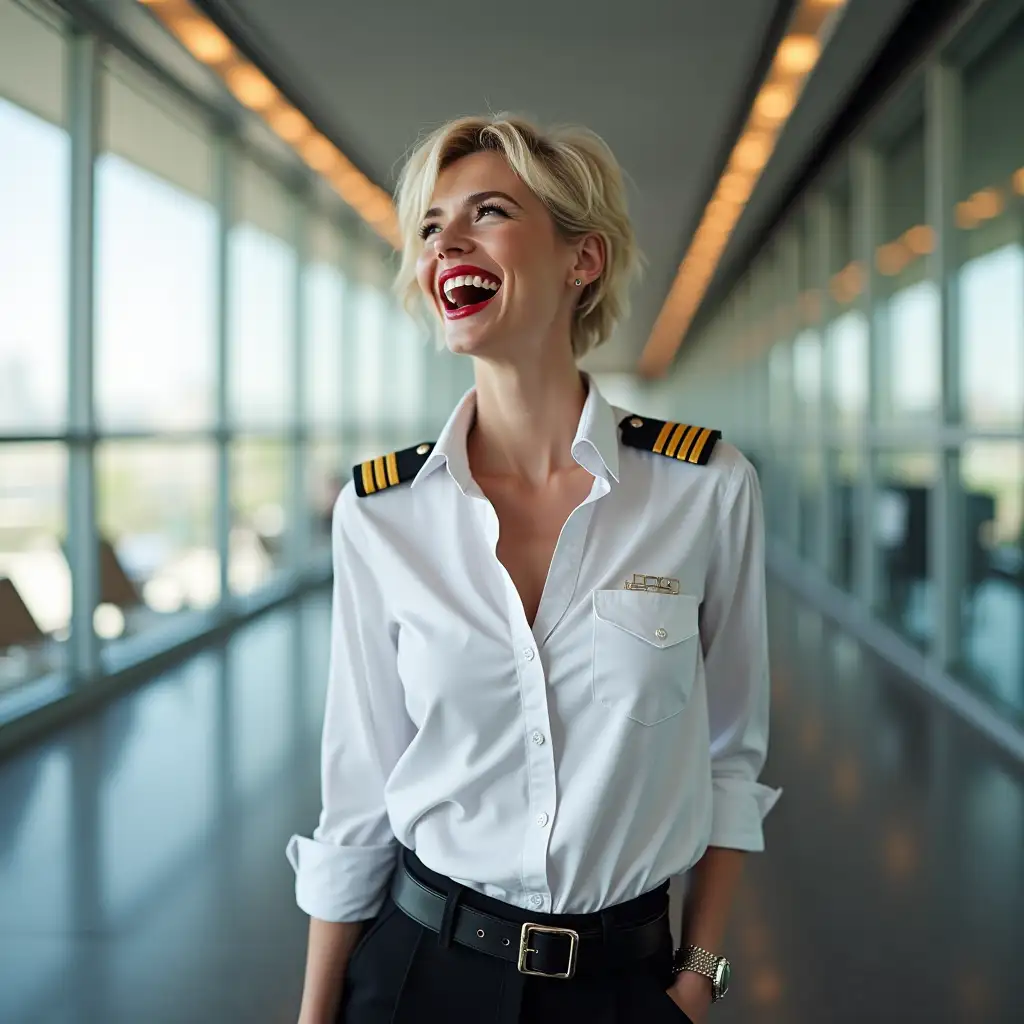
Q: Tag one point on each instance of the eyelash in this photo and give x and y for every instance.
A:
(483, 208)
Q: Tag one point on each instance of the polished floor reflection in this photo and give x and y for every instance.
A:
(142, 873)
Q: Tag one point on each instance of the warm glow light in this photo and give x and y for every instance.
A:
(751, 152)
(920, 239)
(798, 54)
(250, 87)
(289, 124)
(735, 186)
(319, 153)
(204, 41)
(795, 57)
(1018, 181)
(848, 283)
(892, 258)
(774, 103)
(965, 217)
(255, 91)
(986, 204)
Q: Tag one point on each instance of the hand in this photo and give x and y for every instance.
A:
(692, 993)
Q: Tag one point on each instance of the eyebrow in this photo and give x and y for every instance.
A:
(472, 200)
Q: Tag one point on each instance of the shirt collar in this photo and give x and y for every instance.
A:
(595, 446)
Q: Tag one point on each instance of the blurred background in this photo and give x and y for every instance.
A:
(198, 340)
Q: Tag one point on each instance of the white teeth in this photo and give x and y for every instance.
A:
(476, 281)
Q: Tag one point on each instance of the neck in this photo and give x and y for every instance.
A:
(526, 419)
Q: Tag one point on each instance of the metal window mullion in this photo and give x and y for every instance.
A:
(943, 142)
(794, 444)
(223, 195)
(350, 432)
(824, 237)
(83, 105)
(297, 537)
(866, 196)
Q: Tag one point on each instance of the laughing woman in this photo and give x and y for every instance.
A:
(548, 688)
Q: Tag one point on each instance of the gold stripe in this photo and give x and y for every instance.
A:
(681, 433)
(392, 464)
(662, 438)
(687, 446)
(378, 472)
(698, 447)
(368, 485)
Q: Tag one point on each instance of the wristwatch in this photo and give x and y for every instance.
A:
(717, 968)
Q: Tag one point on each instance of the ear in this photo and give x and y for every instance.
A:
(590, 258)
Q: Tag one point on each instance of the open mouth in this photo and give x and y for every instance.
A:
(466, 290)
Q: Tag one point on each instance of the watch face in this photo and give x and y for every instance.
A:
(722, 976)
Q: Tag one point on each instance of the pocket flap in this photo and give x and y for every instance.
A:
(660, 619)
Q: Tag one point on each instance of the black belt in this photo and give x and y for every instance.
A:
(540, 949)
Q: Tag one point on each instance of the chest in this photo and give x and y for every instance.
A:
(530, 522)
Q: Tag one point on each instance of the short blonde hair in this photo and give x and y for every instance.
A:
(569, 169)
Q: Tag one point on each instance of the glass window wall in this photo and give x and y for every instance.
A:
(35, 581)
(930, 483)
(184, 480)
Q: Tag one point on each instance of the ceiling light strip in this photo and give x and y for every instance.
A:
(209, 45)
(794, 60)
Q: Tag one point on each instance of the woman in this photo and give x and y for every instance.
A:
(526, 732)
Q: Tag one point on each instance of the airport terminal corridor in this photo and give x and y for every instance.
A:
(143, 878)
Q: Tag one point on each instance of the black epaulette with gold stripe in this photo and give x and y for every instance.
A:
(673, 440)
(388, 470)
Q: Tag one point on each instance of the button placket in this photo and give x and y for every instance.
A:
(540, 770)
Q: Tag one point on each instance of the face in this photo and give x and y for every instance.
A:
(492, 263)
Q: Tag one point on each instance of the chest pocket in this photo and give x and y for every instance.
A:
(645, 653)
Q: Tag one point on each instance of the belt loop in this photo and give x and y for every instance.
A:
(451, 904)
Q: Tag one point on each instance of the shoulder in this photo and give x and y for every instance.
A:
(390, 470)
(682, 442)
(703, 452)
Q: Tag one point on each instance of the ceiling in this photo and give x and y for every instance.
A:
(666, 84)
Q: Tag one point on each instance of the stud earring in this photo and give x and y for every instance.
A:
(578, 282)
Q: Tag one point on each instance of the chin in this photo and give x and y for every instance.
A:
(470, 340)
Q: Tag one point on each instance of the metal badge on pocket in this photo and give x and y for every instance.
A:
(653, 584)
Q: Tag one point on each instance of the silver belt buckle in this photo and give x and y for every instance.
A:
(525, 949)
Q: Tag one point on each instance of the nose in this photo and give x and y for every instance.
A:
(450, 242)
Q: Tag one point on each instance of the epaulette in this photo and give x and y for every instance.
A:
(388, 470)
(673, 440)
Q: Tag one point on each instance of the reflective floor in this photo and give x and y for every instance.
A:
(143, 879)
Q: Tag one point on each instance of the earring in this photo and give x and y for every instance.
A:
(578, 282)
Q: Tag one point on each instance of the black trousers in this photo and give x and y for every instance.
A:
(401, 972)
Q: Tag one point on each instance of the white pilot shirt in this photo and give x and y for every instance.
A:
(564, 767)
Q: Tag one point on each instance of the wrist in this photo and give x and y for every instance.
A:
(712, 969)
(692, 984)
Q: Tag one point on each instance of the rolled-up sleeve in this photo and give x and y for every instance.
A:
(342, 872)
(734, 638)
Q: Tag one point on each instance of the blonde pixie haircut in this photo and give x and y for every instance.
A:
(570, 170)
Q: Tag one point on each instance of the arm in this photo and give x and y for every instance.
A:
(342, 872)
(330, 945)
(734, 636)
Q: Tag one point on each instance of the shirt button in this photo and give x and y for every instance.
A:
(538, 738)
(537, 900)
(529, 654)
(660, 634)
(542, 819)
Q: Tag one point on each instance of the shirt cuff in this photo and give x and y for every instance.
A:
(340, 883)
(739, 807)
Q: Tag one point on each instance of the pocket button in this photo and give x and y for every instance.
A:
(660, 633)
